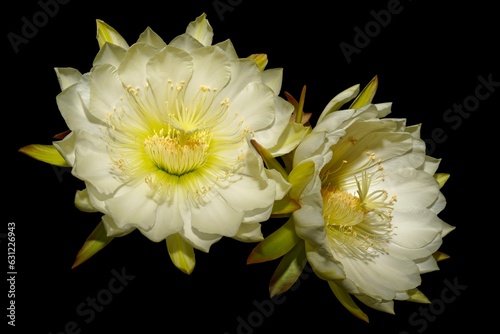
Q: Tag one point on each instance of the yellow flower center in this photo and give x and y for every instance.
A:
(176, 145)
(358, 223)
(176, 152)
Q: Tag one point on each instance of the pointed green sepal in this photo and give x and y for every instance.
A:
(284, 207)
(346, 300)
(300, 177)
(441, 178)
(289, 270)
(440, 256)
(96, 241)
(298, 112)
(269, 160)
(107, 34)
(366, 95)
(275, 245)
(260, 59)
(181, 253)
(45, 153)
(417, 296)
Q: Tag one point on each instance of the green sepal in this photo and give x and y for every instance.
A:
(346, 300)
(275, 245)
(366, 96)
(269, 160)
(45, 153)
(289, 270)
(181, 253)
(417, 296)
(440, 256)
(96, 241)
(441, 178)
(284, 207)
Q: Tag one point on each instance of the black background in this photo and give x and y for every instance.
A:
(428, 58)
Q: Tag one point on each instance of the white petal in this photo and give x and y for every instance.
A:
(255, 104)
(243, 71)
(132, 70)
(168, 221)
(413, 188)
(273, 78)
(309, 225)
(93, 164)
(212, 69)
(416, 228)
(270, 135)
(83, 201)
(134, 208)
(377, 304)
(74, 111)
(66, 147)
(316, 143)
(427, 265)
(112, 230)
(186, 42)
(382, 275)
(228, 47)
(216, 217)
(110, 54)
(199, 240)
(150, 38)
(248, 193)
(67, 76)
(249, 233)
(201, 30)
(166, 70)
(107, 92)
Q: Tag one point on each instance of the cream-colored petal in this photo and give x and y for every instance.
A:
(169, 69)
(112, 230)
(380, 276)
(248, 193)
(74, 109)
(151, 38)
(228, 48)
(83, 201)
(243, 72)
(416, 228)
(186, 42)
(216, 217)
(255, 106)
(93, 163)
(199, 240)
(201, 30)
(67, 76)
(107, 93)
(249, 232)
(338, 101)
(212, 70)
(270, 135)
(132, 70)
(110, 54)
(273, 78)
(134, 208)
